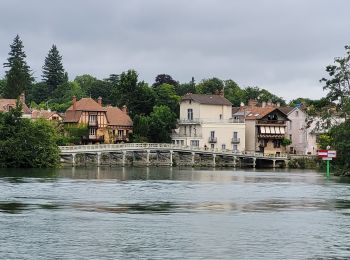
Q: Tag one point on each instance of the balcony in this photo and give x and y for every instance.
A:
(271, 122)
(181, 135)
(194, 121)
(212, 140)
(197, 121)
(93, 123)
(235, 140)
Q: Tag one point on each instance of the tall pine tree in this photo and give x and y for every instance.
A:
(53, 71)
(18, 76)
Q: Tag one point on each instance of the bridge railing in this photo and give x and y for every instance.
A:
(161, 146)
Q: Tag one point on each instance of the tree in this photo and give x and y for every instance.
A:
(53, 71)
(25, 143)
(38, 92)
(164, 79)
(233, 92)
(18, 76)
(210, 86)
(338, 83)
(166, 95)
(161, 121)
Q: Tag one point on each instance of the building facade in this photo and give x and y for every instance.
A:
(265, 127)
(105, 124)
(206, 121)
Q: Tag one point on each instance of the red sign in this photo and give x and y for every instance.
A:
(327, 153)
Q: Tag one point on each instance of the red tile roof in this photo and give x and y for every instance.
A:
(117, 117)
(6, 103)
(253, 112)
(87, 104)
(72, 116)
(46, 114)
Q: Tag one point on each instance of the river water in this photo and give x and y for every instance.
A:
(163, 213)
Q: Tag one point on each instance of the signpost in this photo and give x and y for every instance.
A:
(327, 155)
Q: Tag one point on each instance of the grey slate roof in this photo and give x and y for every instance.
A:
(207, 99)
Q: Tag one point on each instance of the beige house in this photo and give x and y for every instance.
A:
(206, 121)
(265, 127)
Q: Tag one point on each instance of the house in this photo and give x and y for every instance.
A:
(297, 131)
(105, 124)
(46, 114)
(265, 127)
(206, 121)
(7, 104)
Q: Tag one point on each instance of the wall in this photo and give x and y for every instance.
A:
(296, 128)
(250, 136)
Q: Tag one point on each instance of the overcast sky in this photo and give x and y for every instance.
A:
(279, 45)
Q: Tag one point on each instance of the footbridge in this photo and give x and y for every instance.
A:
(164, 154)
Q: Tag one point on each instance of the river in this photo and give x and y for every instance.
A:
(163, 213)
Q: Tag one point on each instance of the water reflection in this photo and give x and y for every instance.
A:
(172, 213)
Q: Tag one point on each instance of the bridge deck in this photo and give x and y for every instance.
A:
(163, 147)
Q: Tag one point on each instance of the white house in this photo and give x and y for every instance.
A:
(206, 121)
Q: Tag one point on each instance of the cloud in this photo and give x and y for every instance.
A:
(282, 46)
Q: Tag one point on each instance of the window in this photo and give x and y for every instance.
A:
(212, 146)
(290, 125)
(195, 143)
(223, 146)
(92, 131)
(296, 113)
(120, 132)
(190, 114)
(290, 137)
(220, 116)
(235, 148)
(276, 143)
(93, 119)
(212, 134)
(235, 135)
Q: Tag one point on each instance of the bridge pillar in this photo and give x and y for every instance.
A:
(73, 159)
(286, 163)
(193, 154)
(124, 157)
(254, 162)
(214, 162)
(273, 163)
(171, 157)
(147, 158)
(98, 159)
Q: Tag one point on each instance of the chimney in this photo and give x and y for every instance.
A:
(278, 104)
(221, 93)
(242, 104)
(22, 98)
(263, 104)
(74, 100)
(269, 103)
(99, 101)
(125, 109)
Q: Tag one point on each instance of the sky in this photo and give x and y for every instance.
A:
(280, 45)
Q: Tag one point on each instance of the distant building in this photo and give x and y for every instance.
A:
(206, 121)
(7, 104)
(265, 127)
(46, 114)
(105, 124)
